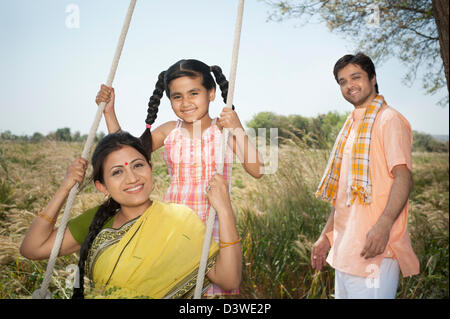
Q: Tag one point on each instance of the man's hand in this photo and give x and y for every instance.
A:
(319, 251)
(377, 238)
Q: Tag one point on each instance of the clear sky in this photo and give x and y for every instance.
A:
(50, 73)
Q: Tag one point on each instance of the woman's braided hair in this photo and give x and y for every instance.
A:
(108, 209)
(190, 68)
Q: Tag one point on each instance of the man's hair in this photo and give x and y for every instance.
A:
(359, 59)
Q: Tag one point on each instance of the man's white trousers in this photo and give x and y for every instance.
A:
(383, 286)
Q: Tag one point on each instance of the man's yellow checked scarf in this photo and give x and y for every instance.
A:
(359, 185)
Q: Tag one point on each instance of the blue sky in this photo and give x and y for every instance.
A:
(50, 73)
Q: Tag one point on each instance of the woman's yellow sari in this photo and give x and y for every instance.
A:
(154, 256)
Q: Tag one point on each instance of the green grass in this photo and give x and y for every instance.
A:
(428, 227)
(278, 228)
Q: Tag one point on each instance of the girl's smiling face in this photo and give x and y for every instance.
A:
(127, 177)
(190, 99)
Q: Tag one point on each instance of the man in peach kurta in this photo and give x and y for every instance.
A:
(368, 242)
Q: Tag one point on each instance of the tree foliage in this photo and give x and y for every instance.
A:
(62, 134)
(423, 142)
(316, 132)
(405, 29)
(321, 131)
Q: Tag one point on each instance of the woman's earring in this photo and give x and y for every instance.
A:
(107, 199)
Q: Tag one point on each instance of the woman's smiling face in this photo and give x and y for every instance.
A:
(127, 177)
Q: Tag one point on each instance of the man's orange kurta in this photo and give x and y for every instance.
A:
(390, 146)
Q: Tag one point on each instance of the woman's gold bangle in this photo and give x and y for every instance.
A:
(49, 219)
(224, 244)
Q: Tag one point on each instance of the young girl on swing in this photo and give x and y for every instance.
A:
(193, 142)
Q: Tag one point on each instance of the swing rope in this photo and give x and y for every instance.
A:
(43, 292)
(225, 136)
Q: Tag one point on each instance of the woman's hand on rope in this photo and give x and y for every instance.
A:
(217, 193)
(227, 271)
(75, 173)
(106, 94)
(40, 239)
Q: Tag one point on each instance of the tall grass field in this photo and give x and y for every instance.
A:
(278, 219)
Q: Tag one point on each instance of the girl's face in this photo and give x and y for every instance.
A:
(127, 177)
(190, 99)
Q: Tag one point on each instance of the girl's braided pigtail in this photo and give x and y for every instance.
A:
(221, 81)
(152, 112)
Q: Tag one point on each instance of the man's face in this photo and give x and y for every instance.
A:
(356, 87)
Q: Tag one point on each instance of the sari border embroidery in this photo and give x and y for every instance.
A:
(105, 238)
(185, 289)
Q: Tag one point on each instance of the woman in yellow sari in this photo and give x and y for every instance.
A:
(132, 246)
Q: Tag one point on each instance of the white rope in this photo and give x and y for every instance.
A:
(43, 292)
(225, 135)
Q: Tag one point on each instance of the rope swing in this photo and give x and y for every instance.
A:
(43, 292)
(225, 135)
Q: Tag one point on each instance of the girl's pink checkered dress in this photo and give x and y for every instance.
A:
(191, 164)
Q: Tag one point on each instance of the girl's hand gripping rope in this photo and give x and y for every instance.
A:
(229, 119)
(106, 94)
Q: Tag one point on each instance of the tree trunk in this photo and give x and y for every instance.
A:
(440, 13)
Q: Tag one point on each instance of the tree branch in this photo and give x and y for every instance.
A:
(411, 9)
(402, 26)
